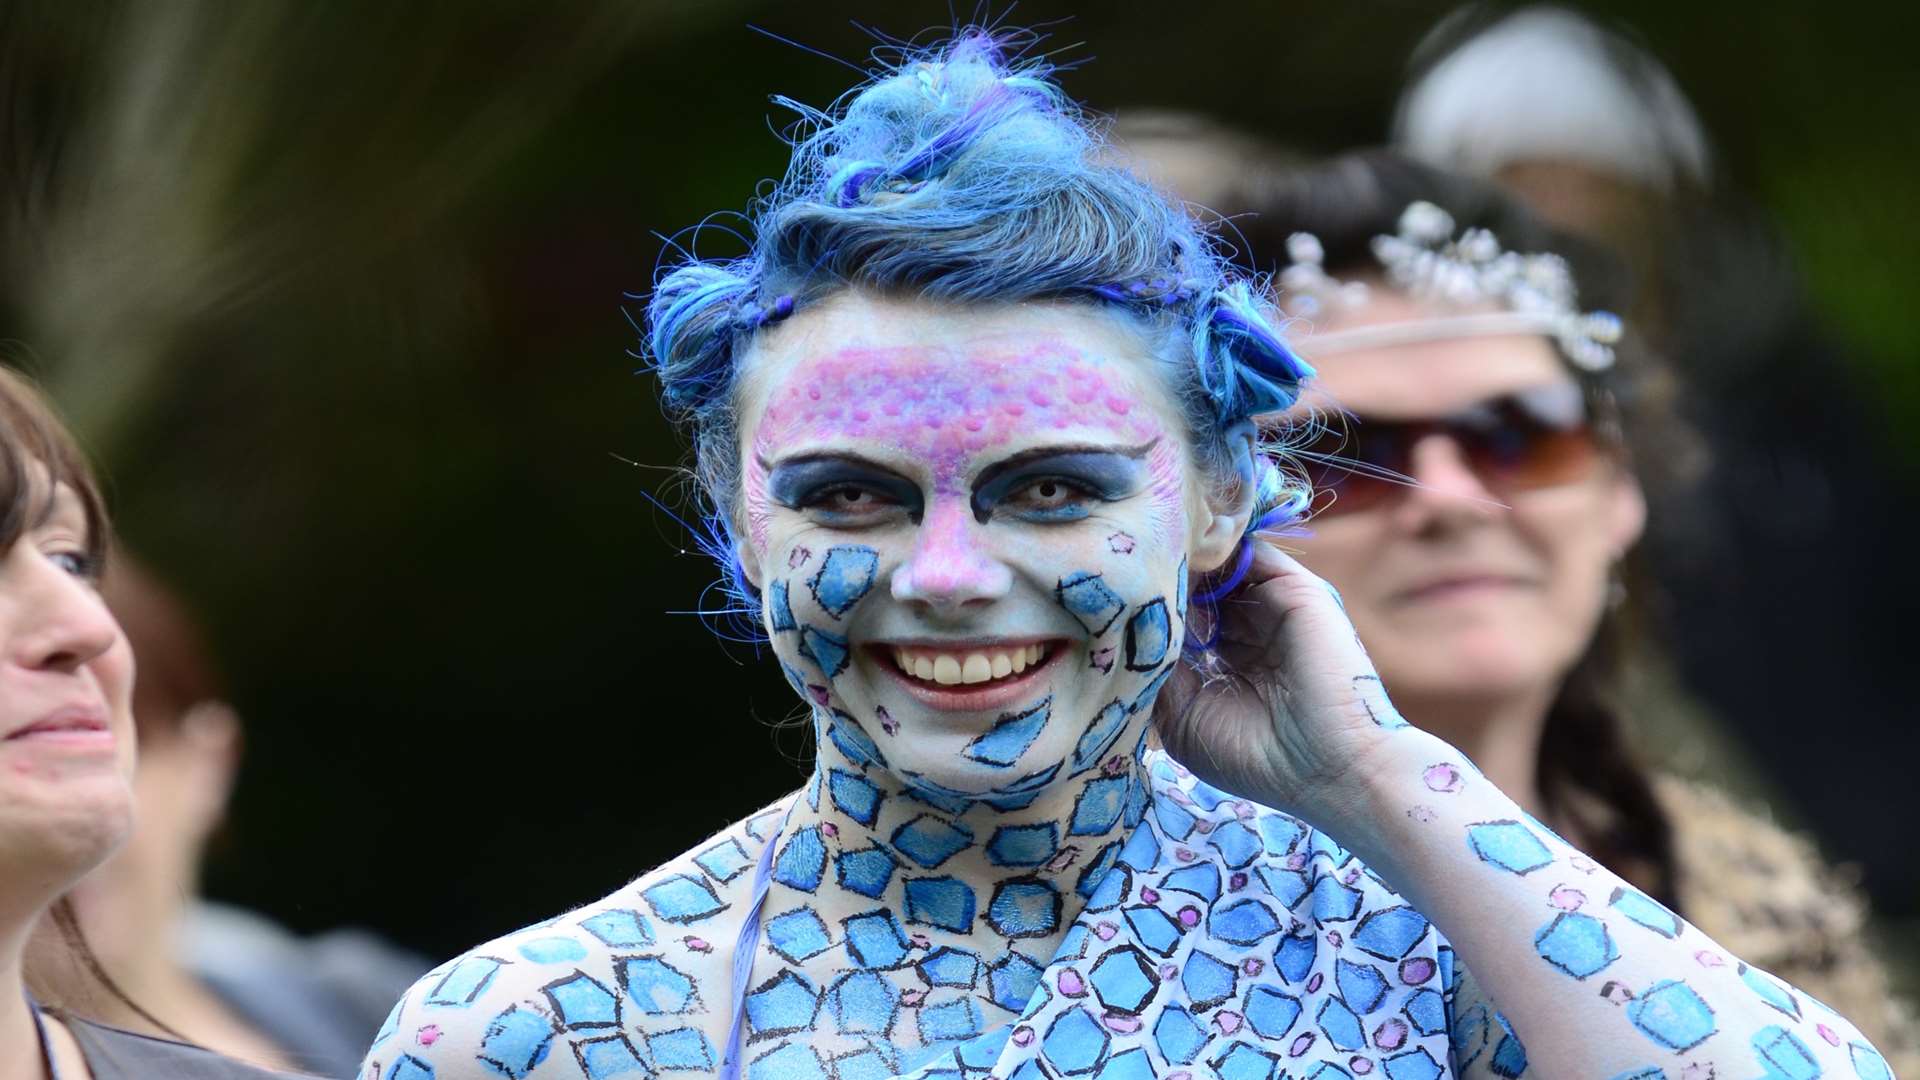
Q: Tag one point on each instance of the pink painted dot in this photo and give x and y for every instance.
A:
(1352, 875)
(1189, 916)
(922, 941)
(1566, 898)
(1227, 1021)
(1071, 984)
(1237, 882)
(1120, 544)
(1149, 895)
(1118, 405)
(1183, 854)
(1296, 860)
(697, 944)
(1121, 1023)
(1390, 1035)
(1301, 1045)
(1442, 777)
(1616, 993)
(1105, 931)
(1040, 398)
(1334, 937)
(1022, 1035)
(863, 415)
(1181, 1075)
(974, 423)
(813, 392)
(912, 998)
(1313, 984)
(830, 829)
(1415, 970)
(1244, 811)
(428, 1035)
(1203, 827)
(1360, 1066)
(1709, 959)
(1167, 971)
(819, 694)
(1252, 965)
(1827, 1033)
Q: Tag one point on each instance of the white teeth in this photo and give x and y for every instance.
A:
(953, 669)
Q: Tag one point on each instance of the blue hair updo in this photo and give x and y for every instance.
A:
(962, 175)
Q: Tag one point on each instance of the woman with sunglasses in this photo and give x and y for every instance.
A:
(1479, 451)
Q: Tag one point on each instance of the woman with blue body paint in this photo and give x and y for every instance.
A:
(976, 418)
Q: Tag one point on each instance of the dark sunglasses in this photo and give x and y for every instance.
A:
(1535, 438)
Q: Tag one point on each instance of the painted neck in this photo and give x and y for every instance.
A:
(1018, 867)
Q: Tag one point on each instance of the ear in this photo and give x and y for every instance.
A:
(1626, 512)
(1224, 516)
(750, 568)
(209, 742)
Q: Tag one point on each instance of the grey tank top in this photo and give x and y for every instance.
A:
(113, 1054)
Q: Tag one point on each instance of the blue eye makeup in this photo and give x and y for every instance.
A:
(842, 488)
(1057, 485)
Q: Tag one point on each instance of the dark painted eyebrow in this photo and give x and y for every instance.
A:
(1042, 453)
(827, 457)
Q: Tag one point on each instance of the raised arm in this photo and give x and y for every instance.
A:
(1574, 972)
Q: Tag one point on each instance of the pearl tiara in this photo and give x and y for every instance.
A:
(1424, 259)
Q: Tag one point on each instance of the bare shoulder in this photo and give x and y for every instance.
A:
(634, 981)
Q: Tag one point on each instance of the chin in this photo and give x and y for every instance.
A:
(66, 842)
(1468, 664)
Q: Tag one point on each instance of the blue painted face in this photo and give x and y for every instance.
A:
(972, 539)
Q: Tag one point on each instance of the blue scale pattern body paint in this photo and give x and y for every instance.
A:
(1217, 937)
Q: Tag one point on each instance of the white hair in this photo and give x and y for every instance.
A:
(1546, 83)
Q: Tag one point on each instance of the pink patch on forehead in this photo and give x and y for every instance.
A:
(943, 406)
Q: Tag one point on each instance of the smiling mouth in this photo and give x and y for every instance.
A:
(969, 667)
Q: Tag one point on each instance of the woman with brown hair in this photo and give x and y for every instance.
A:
(66, 747)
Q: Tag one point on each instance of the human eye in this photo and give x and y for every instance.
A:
(77, 562)
(1050, 499)
(849, 503)
(842, 493)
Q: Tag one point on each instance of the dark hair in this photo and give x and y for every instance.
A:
(31, 435)
(1587, 771)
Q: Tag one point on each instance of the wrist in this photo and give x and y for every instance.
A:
(1383, 790)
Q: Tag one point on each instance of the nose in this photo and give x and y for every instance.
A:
(951, 565)
(60, 622)
(1446, 491)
